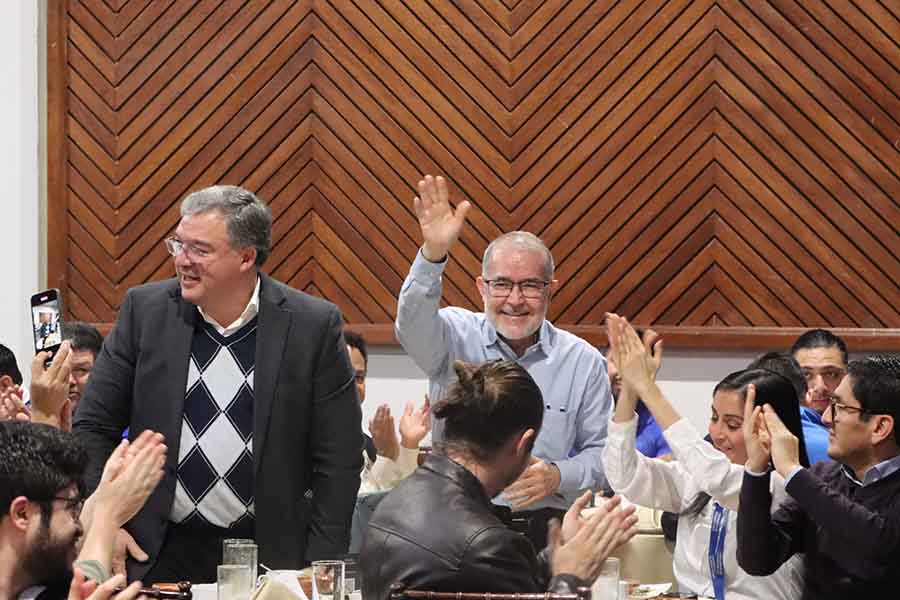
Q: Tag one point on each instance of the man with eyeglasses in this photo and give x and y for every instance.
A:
(40, 473)
(822, 356)
(516, 285)
(251, 382)
(843, 516)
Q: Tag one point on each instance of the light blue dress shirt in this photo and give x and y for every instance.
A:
(569, 371)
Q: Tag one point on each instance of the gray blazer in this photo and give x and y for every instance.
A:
(307, 441)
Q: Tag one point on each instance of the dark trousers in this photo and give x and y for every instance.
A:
(534, 523)
(191, 553)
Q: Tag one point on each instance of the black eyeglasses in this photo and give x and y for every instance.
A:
(74, 504)
(837, 408)
(529, 288)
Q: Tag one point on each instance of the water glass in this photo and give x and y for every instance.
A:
(328, 580)
(241, 552)
(233, 582)
(607, 583)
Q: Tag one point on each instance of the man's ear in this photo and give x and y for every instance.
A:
(554, 285)
(884, 429)
(21, 512)
(480, 285)
(525, 442)
(248, 257)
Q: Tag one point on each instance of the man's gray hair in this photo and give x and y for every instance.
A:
(248, 219)
(521, 240)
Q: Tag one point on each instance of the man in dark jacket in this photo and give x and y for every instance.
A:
(844, 516)
(437, 529)
(249, 382)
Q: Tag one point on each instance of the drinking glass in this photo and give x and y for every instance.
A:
(241, 552)
(233, 582)
(328, 580)
(607, 583)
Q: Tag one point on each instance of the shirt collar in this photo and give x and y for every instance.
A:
(875, 472)
(250, 311)
(546, 336)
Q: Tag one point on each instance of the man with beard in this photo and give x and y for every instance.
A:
(86, 342)
(40, 474)
(823, 359)
(41, 494)
(437, 530)
(516, 285)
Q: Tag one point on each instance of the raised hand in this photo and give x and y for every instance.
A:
(415, 424)
(50, 386)
(636, 364)
(384, 433)
(653, 344)
(756, 434)
(439, 222)
(784, 444)
(11, 405)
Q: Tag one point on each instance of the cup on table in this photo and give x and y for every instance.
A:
(233, 582)
(241, 552)
(607, 583)
(328, 579)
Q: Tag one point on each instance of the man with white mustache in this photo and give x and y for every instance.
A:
(516, 285)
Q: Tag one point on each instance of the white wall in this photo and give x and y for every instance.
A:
(687, 379)
(20, 241)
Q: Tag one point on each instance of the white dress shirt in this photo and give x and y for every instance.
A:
(671, 486)
(384, 473)
(251, 310)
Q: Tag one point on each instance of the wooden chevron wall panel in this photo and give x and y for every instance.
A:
(726, 170)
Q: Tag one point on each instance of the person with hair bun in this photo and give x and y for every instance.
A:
(438, 531)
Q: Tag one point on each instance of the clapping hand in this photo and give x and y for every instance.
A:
(384, 433)
(756, 434)
(439, 222)
(636, 361)
(600, 533)
(415, 424)
(11, 405)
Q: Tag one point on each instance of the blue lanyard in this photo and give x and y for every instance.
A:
(717, 549)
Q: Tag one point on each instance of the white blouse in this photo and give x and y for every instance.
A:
(384, 473)
(671, 486)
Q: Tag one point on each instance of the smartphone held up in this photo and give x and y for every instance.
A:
(46, 321)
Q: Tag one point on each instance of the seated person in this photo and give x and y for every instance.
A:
(12, 405)
(41, 494)
(386, 460)
(86, 342)
(437, 529)
(703, 482)
(650, 440)
(843, 516)
(815, 435)
(822, 357)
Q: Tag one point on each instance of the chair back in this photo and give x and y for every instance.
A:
(398, 592)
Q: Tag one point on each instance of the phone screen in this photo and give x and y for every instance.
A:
(46, 321)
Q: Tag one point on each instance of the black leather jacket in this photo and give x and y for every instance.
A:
(437, 531)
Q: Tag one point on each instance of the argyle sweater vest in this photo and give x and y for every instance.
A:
(214, 484)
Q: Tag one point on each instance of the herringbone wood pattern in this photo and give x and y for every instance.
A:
(728, 170)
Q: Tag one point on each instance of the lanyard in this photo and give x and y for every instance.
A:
(717, 549)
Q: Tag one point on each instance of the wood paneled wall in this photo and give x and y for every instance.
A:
(726, 170)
